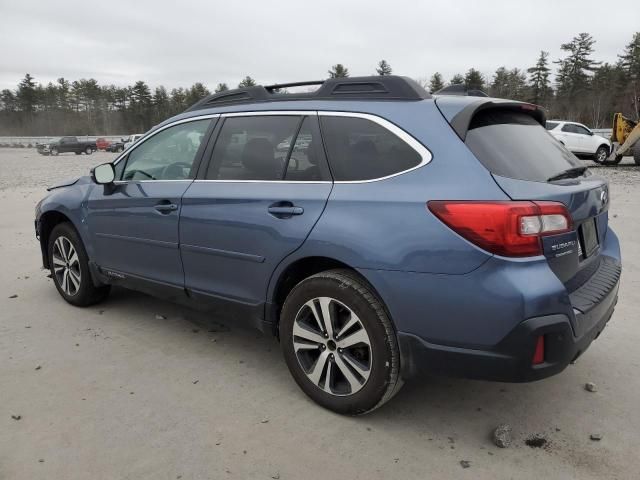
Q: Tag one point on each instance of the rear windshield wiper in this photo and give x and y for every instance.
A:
(568, 173)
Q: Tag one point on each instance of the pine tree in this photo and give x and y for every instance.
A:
(630, 63)
(27, 94)
(539, 85)
(178, 103)
(247, 82)
(573, 74)
(436, 83)
(383, 68)
(222, 87)
(161, 104)
(457, 79)
(8, 101)
(197, 92)
(338, 70)
(473, 80)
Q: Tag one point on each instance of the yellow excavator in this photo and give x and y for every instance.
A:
(625, 138)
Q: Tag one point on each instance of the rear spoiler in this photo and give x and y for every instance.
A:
(461, 120)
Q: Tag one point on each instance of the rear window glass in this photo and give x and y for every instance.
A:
(551, 125)
(513, 144)
(359, 149)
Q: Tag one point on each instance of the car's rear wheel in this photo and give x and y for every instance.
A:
(88, 150)
(69, 266)
(339, 343)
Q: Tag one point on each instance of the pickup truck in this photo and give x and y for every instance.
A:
(67, 144)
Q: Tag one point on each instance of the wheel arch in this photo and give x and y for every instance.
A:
(47, 222)
(289, 275)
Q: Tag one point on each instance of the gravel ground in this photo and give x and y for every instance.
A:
(138, 388)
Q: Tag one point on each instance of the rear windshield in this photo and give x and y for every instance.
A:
(513, 144)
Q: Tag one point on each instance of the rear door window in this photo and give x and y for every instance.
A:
(360, 149)
(551, 125)
(268, 148)
(514, 145)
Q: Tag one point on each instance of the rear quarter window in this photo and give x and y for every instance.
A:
(514, 145)
(360, 149)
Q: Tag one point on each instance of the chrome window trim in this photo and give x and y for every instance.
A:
(420, 149)
(423, 151)
(147, 136)
(263, 181)
(258, 113)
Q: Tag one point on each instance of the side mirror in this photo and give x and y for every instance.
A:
(103, 174)
(591, 133)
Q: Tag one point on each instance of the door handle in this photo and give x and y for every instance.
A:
(166, 207)
(284, 210)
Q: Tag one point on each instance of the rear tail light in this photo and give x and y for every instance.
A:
(511, 229)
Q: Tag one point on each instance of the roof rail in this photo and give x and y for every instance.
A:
(387, 87)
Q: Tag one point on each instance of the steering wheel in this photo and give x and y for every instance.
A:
(175, 171)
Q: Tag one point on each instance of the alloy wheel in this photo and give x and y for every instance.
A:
(332, 346)
(66, 266)
(602, 155)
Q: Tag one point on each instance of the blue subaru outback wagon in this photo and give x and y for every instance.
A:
(376, 230)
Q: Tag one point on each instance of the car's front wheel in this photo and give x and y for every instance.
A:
(54, 151)
(601, 154)
(69, 266)
(88, 150)
(339, 343)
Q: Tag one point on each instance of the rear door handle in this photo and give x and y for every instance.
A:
(166, 207)
(284, 210)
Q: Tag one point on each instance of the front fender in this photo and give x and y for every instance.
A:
(71, 202)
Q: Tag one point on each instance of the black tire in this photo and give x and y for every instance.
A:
(120, 149)
(87, 293)
(636, 153)
(601, 154)
(348, 289)
(54, 151)
(88, 150)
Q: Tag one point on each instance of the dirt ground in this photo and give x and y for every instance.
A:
(115, 392)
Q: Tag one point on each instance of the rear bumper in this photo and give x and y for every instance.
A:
(511, 359)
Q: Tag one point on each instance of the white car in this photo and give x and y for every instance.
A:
(579, 139)
(133, 139)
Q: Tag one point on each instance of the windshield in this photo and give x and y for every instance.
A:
(514, 145)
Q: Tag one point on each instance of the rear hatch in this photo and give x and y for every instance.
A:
(510, 140)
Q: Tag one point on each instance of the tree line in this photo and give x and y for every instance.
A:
(583, 90)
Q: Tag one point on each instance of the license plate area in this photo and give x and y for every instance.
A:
(588, 238)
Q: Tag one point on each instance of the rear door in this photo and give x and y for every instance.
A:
(256, 202)
(523, 159)
(572, 138)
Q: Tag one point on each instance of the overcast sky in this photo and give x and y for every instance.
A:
(178, 43)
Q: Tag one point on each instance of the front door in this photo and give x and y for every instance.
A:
(264, 189)
(134, 222)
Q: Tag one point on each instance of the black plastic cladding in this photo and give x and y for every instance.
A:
(388, 87)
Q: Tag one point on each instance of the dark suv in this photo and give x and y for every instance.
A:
(375, 229)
